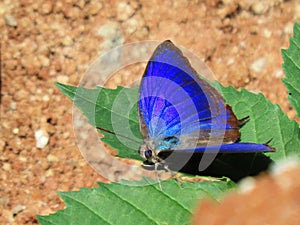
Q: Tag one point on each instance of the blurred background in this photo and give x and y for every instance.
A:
(47, 41)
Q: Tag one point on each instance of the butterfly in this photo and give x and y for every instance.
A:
(182, 115)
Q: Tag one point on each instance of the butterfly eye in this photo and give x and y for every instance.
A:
(148, 154)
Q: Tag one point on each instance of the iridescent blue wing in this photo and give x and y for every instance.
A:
(179, 111)
(174, 101)
(238, 147)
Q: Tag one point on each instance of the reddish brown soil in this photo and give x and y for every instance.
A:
(57, 40)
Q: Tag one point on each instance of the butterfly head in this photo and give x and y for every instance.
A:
(151, 148)
(148, 154)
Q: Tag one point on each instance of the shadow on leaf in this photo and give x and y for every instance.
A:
(235, 166)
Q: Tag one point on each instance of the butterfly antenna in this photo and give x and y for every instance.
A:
(120, 135)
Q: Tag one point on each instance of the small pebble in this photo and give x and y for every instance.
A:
(13, 105)
(42, 138)
(267, 33)
(22, 159)
(45, 61)
(67, 41)
(52, 158)
(260, 8)
(62, 79)
(15, 130)
(230, 61)
(288, 29)
(46, 98)
(6, 167)
(258, 65)
(17, 209)
(49, 173)
(124, 11)
(10, 21)
(278, 73)
(131, 25)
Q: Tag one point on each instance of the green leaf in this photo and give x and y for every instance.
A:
(291, 67)
(146, 204)
(113, 110)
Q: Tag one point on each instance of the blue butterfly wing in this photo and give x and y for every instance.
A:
(175, 102)
(239, 147)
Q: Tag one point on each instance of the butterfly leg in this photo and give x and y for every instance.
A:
(165, 166)
(173, 175)
(157, 175)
